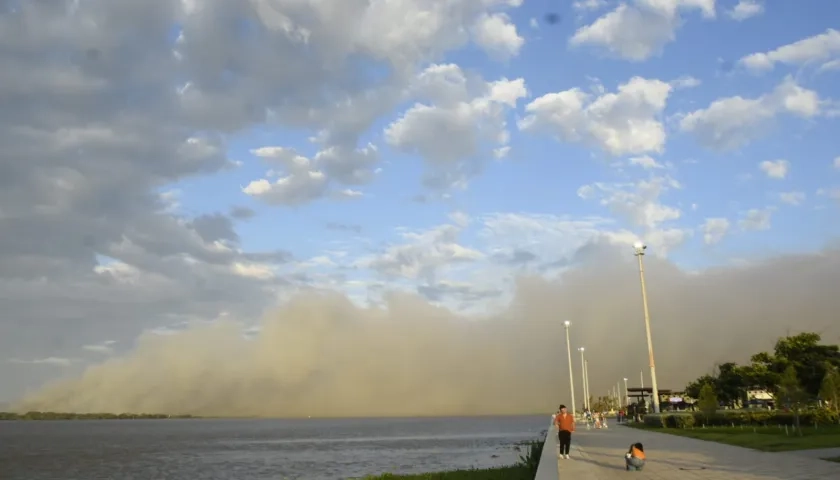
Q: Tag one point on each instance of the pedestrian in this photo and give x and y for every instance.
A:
(635, 457)
(565, 424)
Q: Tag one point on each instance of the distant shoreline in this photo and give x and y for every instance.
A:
(42, 416)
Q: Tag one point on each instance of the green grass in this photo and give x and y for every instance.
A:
(767, 439)
(515, 472)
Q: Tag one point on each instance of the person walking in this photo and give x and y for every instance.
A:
(565, 423)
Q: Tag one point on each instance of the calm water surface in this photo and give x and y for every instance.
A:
(256, 449)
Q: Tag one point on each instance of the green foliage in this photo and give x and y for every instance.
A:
(604, 404)
(790, 391)
(530, 460)
(830, 388)
(86, 416)
(741, 418)
(771, 438)
(656, 420)
(810, 360)
(707, 401)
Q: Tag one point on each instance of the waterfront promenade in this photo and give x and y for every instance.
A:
(599, 455)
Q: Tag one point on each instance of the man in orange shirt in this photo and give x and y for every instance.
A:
(565, 424)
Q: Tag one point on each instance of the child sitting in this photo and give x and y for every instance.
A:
(635, 458)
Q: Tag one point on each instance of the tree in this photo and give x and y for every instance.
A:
(830, 388)
(693, 388)
(791, 393)
(808, 358)
(730, 384)
(707, 401)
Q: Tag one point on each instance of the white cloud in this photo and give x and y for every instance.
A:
(623, 123)
(817, 48)
(746, 9)
(837, 163)
(639, 30)
(732, 122)
(534, 23)
(589, 5)
(645, 162)
(756, 219)
(303, 179)
(50, 361)
(423, 254)
(639, 202)
(714, 229)
(465, 116)
(829, 66)
(496, 34)
(777, 169)
(686, 81)
(792, 198)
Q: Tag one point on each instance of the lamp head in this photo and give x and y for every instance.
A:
(581, 349)
(567, 323)
(625, 379)
(639, 247)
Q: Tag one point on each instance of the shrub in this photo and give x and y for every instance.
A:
(680, 420)
(655, 420)
(531, 459)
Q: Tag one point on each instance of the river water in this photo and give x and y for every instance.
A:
(204, 449)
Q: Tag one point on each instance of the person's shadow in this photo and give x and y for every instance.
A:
(610, 465)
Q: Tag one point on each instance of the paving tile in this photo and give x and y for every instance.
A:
(599, 455)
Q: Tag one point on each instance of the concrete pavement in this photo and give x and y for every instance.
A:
(599, 455)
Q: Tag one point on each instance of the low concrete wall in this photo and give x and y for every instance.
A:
(548, 460)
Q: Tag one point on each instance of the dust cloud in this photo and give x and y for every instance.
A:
(322, 356)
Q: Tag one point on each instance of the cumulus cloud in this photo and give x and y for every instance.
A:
(733, 122)
(638, 30)
(626, 122)
(464, 115)
(777, 169)
(745, 9)
(714, 229)
(322, 355)
(817, 48)
(110, 104)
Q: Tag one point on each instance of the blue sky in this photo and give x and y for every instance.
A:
(542, 175)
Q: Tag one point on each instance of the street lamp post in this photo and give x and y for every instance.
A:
(586, 379)
(640, 248)
(583, 379)
(571, 378)
(626, 395)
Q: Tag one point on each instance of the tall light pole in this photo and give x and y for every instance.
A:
(583, 379)
(571, 378)
(626, 395)
(640, 248)
(586, 379)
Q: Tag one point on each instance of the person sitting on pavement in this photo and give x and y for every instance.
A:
(635, 458)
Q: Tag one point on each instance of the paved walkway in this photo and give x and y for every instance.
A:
(599, 455)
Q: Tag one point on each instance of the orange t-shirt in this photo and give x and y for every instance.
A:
(565, 422)
(637, 453)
